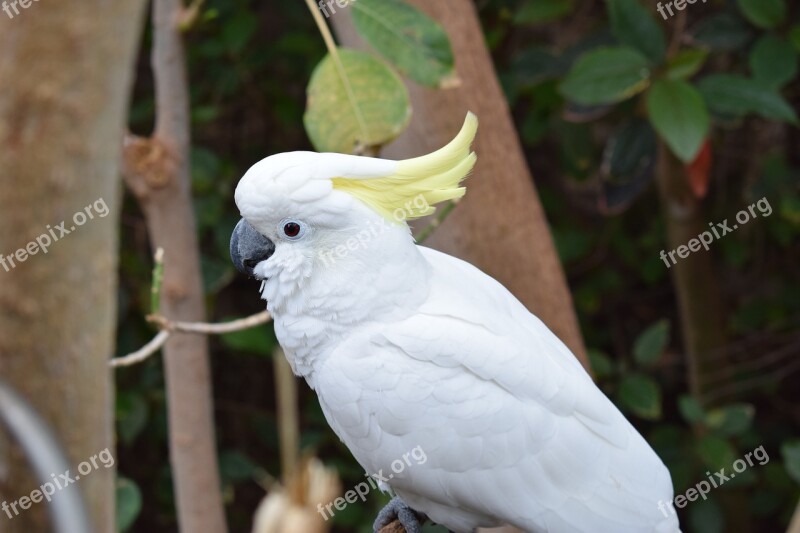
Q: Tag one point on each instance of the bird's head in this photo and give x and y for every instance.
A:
(306, 211)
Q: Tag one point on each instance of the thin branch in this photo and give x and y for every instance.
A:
(753, 382)
(333, 51)
(677, 35)
(142, 353)
(211, 328)
(188, 15)
(288, 415)
(753, 365)
(158, 278)
(794, 525)
(443, 213)
(168, 327)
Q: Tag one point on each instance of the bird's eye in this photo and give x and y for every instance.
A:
(292, 229)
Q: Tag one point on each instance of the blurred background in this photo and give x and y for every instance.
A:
(610, 131)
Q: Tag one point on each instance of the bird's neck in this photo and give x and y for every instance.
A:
(381, 280)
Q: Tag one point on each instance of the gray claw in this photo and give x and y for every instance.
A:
(396, 508)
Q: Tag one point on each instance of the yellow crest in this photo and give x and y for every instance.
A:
(419, 183)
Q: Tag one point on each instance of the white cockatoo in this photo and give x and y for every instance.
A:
(412, 349)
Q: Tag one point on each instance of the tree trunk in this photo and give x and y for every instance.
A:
(500, 226)
(700, 302)
(65, 70)
(699, 296)
(158, 172)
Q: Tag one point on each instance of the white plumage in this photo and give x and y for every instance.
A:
(408, 347)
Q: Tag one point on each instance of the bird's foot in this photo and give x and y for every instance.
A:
(397, 508)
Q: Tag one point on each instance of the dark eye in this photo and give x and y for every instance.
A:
(291, 229)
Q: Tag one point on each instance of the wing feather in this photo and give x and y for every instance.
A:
(513, 428)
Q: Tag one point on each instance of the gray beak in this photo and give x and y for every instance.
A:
(249, 247)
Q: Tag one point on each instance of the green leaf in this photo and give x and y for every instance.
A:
(601, 364)
(735, 95)
(372, 113)
(129, 503)
(410, 40)
(691, 410)
(540, 11)
(641, 395)
(716, 452)
(773, 61)
(632, 148)
(791, 458)
(686, 63)
(724, 32)
(131, 415)
(732, 419)
(606, 76)
(680, 117)
(765, 14)
(633, 25)
(234, 466)
(651, 343)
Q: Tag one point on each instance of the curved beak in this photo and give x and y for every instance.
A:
(249, 248)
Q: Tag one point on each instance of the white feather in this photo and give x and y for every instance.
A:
(515, 430)
(407, 347)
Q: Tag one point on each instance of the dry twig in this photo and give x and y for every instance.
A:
(169, 327)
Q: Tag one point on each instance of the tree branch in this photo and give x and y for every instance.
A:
(288, 415)
(169, 327)
(157, 171)
(210, 328)
(142, 353)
